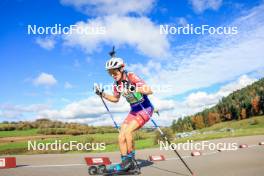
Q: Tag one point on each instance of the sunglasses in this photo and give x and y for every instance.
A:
(113, 72)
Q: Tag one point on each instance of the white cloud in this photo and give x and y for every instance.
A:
(110, 7)
(138, 32)
(196, 102)
(16, 111)
(92, 111)
(203, 99)
(201, 5)
(121, 28)
(242, 82)
(91, 107)
(45, 79)
(10, 114)
(219, 60)
(162, 104)
(149, 68)
(46, 43)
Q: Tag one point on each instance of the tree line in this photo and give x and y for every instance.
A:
(240, 104)
(50, 127)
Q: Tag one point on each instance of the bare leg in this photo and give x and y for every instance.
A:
(133, 145)
(130, 128)
(122, 140)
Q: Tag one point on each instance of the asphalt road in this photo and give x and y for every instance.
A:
(241, 162)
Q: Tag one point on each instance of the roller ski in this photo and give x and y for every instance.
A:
(128, 166)
(114, 170)
(102, 166)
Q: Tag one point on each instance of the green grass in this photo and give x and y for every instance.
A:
(109, 138)
(242, 124)
(247, 127)
(237, 133)
(16, 133)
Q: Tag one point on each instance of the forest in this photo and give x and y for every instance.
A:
(240, 104)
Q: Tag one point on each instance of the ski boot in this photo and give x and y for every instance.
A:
(128, 166)
(135, 167)
(132, 154)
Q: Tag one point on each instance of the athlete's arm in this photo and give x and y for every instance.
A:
(112, 98)
(144, 89)
(141, 86)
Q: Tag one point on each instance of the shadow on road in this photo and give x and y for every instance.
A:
(22, 165)
(146, 163)
(166, 170)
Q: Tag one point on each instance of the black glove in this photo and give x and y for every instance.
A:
(98, 90)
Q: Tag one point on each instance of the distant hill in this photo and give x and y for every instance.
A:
(240, 104)
(50, 127)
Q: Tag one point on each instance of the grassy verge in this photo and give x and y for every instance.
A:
(19, 133)
(251, 123)
(247, 127)
(218, 135)
(110, 139)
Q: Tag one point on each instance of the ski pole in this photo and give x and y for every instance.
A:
(108, 111)
(166, 139)
(111, 115)
(169, 142)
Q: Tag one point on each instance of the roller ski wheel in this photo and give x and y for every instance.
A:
(97, 170)
(130, 172)
(135, 167)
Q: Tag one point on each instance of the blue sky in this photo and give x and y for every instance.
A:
(51, 76)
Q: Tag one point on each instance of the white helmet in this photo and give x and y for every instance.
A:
(114, 63)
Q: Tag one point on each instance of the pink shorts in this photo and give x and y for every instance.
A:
(141, 117)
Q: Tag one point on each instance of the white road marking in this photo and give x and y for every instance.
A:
(210, 153)
(57, 165)
(177, 158)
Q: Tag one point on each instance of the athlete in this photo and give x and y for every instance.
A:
(136, 91)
